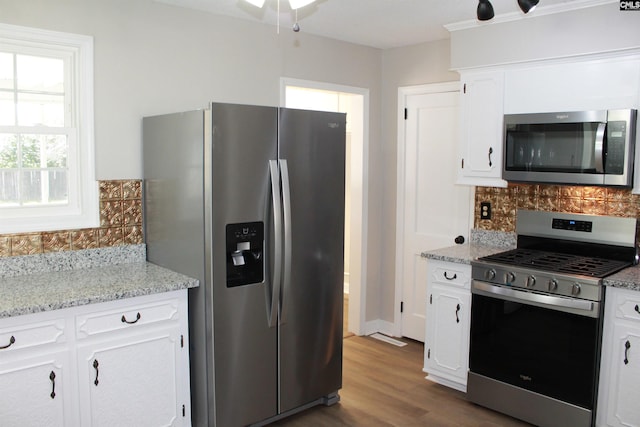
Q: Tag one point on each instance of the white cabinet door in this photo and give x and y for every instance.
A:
(34, 391)
(132, 380)
(448, 324)
(481, 129)
(624, 387)
(620, 366)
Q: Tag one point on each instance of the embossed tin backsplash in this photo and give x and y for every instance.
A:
(553, 198)
(120, 224)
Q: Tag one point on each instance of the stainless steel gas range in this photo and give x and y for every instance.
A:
(536, 316)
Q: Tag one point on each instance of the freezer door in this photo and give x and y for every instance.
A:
(312, 151)
(244, 139)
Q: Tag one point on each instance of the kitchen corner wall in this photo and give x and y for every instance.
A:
(553, 198)
(120, 224)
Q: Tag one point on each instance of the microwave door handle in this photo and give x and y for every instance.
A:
(599, 147)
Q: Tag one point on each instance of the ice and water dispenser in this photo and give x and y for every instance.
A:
(245, 253)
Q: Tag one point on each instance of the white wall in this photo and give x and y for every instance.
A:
(412, 65)
(151, 58)
(590, 30)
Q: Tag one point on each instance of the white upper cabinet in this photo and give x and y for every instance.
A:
(596, 84)
(590, 82)
(480, 159)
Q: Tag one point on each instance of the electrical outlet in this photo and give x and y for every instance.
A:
(485, 210)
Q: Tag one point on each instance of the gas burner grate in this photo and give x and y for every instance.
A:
(558, 262)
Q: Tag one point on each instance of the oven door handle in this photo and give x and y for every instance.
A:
(568, 305)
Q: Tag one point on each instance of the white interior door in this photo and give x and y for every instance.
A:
(432, 210)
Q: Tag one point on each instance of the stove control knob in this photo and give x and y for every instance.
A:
(511, 277)
(575, 289)
(553, 285)
(490, 274)
(530, 282)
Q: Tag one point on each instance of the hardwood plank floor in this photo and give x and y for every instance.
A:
(383, 385)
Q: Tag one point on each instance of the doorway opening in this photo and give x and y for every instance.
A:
(354, 102)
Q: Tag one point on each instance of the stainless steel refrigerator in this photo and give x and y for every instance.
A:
(250, 200)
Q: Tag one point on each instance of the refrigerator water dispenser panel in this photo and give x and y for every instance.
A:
(245, 250)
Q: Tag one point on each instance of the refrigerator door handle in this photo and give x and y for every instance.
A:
(286, 206)
(277, 227)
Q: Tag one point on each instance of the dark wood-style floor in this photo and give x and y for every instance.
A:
(383, 385)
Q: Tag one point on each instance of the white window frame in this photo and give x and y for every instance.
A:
(82, 210)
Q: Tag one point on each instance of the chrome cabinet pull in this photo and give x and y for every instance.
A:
(455, 276)
(627, 346)
(490, 153)
(52, 377)
(12, 340)
(124, 319)
(95, 366)
(637, 309)
(457, 311)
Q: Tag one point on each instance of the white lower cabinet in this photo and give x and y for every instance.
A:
(34, 390)
(125, 364)
(620, 366)
(446, 349)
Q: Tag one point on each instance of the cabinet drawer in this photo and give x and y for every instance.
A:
(627, 304)
(18, 337)
(126, 317)
(450, 274)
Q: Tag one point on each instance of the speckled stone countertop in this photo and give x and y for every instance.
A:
(629, 278)
(483, 243)
(36, 283)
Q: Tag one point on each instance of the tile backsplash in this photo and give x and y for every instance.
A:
(120, 224)
(553, 198)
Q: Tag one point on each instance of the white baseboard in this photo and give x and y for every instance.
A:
(380, 326)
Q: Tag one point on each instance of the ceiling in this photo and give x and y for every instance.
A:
(378, 23)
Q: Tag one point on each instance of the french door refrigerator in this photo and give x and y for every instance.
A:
(250, 200)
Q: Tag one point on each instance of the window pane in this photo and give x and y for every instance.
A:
(40, 74)
(8, 151)
(56, 151)
(30, 187)
(38, 109)
(30, 151)
(8, 188)
(58, 190)
(6, 71)
(7, 109)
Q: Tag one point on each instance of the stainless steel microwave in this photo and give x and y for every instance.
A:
(573, 148)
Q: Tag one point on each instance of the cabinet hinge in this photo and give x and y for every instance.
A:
(182, 341)
(184, 412)
(401, 306)
(429, 354)
(464, 88)
(406, 113)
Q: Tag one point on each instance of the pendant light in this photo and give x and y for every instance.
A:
(527, 5)
(485, 10)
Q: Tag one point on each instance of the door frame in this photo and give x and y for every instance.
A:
(403, 93)
(359, 203)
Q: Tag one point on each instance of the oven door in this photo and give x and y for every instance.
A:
(545, 344)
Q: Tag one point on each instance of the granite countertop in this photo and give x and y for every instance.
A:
(484, 243)
(629, 278)
(462, 254)
(38, 283)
